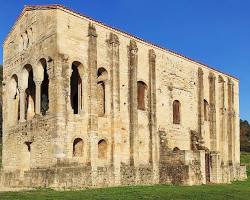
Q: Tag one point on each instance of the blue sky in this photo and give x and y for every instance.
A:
(215, 32)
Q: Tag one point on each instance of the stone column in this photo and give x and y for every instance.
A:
(223, 138)
(133, 112)
(38, 97)
(200, 103)
(79, 98)
(215, 158)
(113, 52)
(233, 125)
(153, 140)
(92, 102)
(22, 104)
(230, 122)
(57, 85)
(236, 123)
(84, 94)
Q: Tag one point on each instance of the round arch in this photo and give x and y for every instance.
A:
(102, 149)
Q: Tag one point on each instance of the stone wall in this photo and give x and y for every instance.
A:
(138, 144)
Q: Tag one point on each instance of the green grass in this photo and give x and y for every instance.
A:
(236, 190)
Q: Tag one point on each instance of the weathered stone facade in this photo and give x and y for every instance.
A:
(86, 105)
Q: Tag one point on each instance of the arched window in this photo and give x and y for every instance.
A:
(28, 145)
(102, 149)
(176, 112)
(78, 147)
(141, 95)
(102, 77)
(44, 89)
(26, 154)
(176, 149)
(206, 110)
(76, 88)
(27, 39)
(30, 95)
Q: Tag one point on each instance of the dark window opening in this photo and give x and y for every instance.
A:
(102, 149)
(30, 97)
(101, 98)
(206, 111)
(176, 149)
(75, 89)
(102, 77)
(176, 112)
(141, 95)
(45, 90)
(28, 144)
(78, 147)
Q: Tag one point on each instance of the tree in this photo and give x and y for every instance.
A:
(244, 136)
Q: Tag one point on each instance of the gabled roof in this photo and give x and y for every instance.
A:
(63, 8)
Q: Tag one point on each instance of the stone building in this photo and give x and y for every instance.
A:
(87, 105)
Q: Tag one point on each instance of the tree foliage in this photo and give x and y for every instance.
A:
(244, 135)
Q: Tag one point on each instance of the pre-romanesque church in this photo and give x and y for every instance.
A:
(87, 105)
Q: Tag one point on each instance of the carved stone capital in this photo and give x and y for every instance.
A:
(64, 57)
(223, 110)
(211, 77)
(200, 72)
(38, 82)
(92, 30)
(133, 49)
(230, 82)
(221, 80)
(21, 90)
(49, 59)
(113, 39)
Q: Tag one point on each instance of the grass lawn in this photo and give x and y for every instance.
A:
(237, 190)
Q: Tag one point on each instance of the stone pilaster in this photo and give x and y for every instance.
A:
(132, 94)
(212, 113)
(113, 44)
(215, 175)
(92, 101)
(200, 103)
(230, 125)
(38, 96)
(222, 117)
(236, 123)
(56, 85)
(233, 126)
(153, 140)
(57, 104)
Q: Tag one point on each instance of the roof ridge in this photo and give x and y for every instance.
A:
(60, 6)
